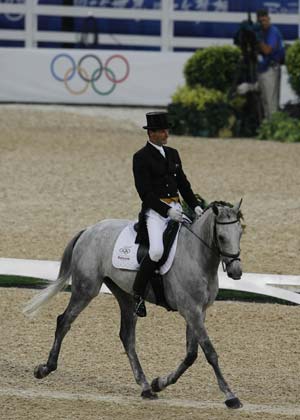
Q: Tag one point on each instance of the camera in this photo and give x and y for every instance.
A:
(247, 38)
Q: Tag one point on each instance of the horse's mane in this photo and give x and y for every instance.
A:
(206, 206)
(192, 216)
(222, 204)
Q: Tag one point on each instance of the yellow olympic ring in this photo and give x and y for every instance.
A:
(74, 92)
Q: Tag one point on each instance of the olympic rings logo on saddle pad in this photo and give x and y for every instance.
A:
(90, 70)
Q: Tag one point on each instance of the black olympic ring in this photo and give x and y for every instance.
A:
(125, 250)
(100, 69)
(94, 77)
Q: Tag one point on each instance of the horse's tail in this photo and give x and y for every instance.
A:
(65, 272)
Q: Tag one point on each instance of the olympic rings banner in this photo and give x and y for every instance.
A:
(90, 76)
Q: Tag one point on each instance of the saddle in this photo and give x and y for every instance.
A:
(169, 236)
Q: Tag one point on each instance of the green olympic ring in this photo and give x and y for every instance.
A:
(95, 78)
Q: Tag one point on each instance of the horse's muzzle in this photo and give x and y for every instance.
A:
(234, 269)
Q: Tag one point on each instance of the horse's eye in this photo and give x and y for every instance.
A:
(221, 238)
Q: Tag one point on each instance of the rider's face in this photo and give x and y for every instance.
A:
(264, 21)
(159, 137)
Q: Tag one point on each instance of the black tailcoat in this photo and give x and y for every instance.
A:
(158, 177)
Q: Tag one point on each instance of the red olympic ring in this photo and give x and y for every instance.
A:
(121, 57)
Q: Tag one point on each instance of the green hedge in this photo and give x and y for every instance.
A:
(280, 127)
(213, 67)
(200, 112)
(197, 96)
(293, 65)
(204, 107)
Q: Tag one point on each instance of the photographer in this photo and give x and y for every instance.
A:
(246, 83)
(271, 56)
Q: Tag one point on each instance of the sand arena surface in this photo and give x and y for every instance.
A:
(63, 169)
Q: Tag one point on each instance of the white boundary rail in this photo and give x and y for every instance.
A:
(166, 15)
(285, 287)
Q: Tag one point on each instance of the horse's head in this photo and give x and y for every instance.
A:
(227, 235)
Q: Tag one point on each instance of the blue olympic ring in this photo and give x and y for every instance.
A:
(83, 74)
(61, 79)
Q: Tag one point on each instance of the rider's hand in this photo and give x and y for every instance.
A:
(175, 214)
(198, 210)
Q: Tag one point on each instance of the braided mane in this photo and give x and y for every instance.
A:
(223, 204)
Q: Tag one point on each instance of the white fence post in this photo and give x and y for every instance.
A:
(30, 24)
(167, 24)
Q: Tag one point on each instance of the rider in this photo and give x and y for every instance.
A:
(159, 178)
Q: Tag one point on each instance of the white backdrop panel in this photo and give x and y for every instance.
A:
(89, 76)
(103, 77)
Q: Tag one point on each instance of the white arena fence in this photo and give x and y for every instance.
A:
(166, 15)
(284, 287)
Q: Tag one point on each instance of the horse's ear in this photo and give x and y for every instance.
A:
(238, 206)
(215, 209)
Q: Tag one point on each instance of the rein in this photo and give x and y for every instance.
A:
(185, 224)
(234, 257)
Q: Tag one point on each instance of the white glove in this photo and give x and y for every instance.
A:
(198, 210)
(175, 214)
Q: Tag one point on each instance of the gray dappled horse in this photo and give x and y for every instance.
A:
(191, 286)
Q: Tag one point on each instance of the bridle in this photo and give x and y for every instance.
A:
(219, 252)
(233, 257)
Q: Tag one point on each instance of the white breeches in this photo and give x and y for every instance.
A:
(156, 225)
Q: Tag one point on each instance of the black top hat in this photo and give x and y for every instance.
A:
(157, 121)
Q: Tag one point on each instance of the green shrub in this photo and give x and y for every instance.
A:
(200, 112)
(197, 97)
(213, 67)
(280, 127)
(293, 65)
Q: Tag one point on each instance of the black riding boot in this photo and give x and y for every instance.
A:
(142, 279)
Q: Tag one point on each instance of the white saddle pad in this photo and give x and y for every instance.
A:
(125, 251)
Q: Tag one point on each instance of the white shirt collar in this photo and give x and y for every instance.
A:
(159, 148)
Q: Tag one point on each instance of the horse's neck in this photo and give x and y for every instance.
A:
(204, 228)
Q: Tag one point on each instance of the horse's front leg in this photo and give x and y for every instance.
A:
(195, 320)
(158, 384)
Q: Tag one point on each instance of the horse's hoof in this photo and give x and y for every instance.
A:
(149, 395)
(41, 371)
(155, 385)
(233, 403)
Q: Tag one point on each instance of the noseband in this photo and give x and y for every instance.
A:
(234, 257)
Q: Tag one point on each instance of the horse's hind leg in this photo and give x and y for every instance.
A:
(158, 384)
(76, 305)
(127, 336)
